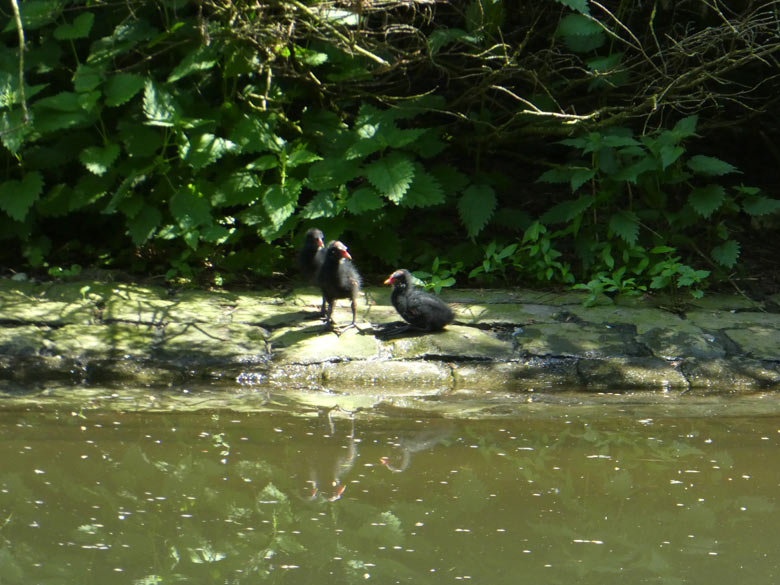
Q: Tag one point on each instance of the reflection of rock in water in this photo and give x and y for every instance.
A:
(331, 459)
(407, 443)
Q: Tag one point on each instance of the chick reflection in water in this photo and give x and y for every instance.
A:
(408, 443)
(333, 459)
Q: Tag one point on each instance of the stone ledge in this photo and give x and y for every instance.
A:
(509, 341)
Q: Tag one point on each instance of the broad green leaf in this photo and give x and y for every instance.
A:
(239, 188)
(424, 190)
(400, 137)
(391, 175)
(279, 201)
(626, 225)
(301, 156)
(726, 254)
(202, 58)
(190, 208)
(686, 127)
(581, 176)
(578, 5)
(709, 165)
(13, 129)
(159, 106)
(99, 159)
(476, 207)
(87, 77)
(144, 224)
(567, 210)
(706, 200)
(36, 13)
(323, 204)
(206, 149)
(760, 205)
(16, 197)
(78, 29)
(140, 140)
(364, 199)
(121, 88)
(122, 40)
(65, 101)
(330, 173)
(264, 163)
(256, 134)
(580, 34)
(670, 154)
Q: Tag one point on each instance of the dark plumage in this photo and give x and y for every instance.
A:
(311, 257)
(339, 279)
(420, 309)
(312, 254)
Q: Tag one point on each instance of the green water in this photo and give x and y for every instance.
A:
(557, 493)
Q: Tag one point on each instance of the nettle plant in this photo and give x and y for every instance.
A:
(643, 204)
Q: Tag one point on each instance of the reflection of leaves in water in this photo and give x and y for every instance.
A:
(205, 554)
(383, 529)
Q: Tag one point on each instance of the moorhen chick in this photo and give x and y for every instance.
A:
(311, 257)
(418, 308)
(339, 279)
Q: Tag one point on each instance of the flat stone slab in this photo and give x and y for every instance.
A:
(88, 333)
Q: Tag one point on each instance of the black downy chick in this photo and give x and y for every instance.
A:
(339, 279)
(418, 308)
(311, 257)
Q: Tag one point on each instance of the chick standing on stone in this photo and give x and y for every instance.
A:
(418, 308)
(311, 257)
(339, 279)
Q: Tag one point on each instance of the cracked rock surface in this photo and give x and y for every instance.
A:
(90, 333)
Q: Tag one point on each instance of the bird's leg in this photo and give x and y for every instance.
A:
(322, 308)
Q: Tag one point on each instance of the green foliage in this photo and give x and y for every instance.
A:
(442, 275)
(642, 193)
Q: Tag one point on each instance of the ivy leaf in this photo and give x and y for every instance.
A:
(200, 59)
(476, 207)
(364, 199)
(190, 208)
(706, 200)
(709, 165)
(143, 225)
(206, 149)
(760, 205)
(279, 201)
(726, 254)
(626, 225)
(98, 160)
(16, 197)
(78, 29)
(120, 88)
(391, 175)
(159, 106)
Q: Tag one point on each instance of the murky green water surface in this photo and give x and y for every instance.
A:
(562, 492)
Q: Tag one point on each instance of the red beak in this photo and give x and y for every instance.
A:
(389, 280)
